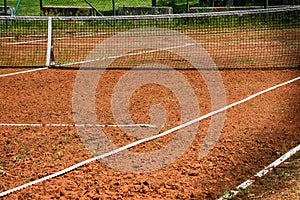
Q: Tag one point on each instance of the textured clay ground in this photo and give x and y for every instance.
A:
(255, 134)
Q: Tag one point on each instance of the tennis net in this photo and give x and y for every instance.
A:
(252, 39)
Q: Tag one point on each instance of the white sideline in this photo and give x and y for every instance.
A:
(260, 174)
(71, 168)
(82, 125)
(23, 72)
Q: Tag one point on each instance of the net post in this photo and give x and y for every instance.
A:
(41, 5)
(49, 44)
(266, 4)
(114, 7)
(5, 7)
(153, 3)
(187, 6)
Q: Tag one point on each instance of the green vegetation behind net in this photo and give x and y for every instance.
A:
(32, 7)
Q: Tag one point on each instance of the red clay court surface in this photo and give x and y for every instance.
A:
(255, 134)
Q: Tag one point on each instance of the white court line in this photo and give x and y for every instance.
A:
(45, 40)
(90, 44)
(129, 54)
(201, 43)
(149, 51)
(260, 174)
(82, 125)
(93, 34)
(23, 72)
(213, 43)
(26, 42)
(104, 58)
(73, 167)
(26, 36)
(76, 35)
(4, 38)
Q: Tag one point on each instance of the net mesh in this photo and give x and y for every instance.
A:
(258, 39)
(23, 42)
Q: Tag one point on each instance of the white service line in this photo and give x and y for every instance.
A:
(203, 43)
(23, 72)
(26, 42)
(260, 174)
(4, 38)
(90, 44)
(71, 168)
(26, 36)
(82, 125)
(128, 54)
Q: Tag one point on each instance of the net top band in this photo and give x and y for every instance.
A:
(166, 16)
